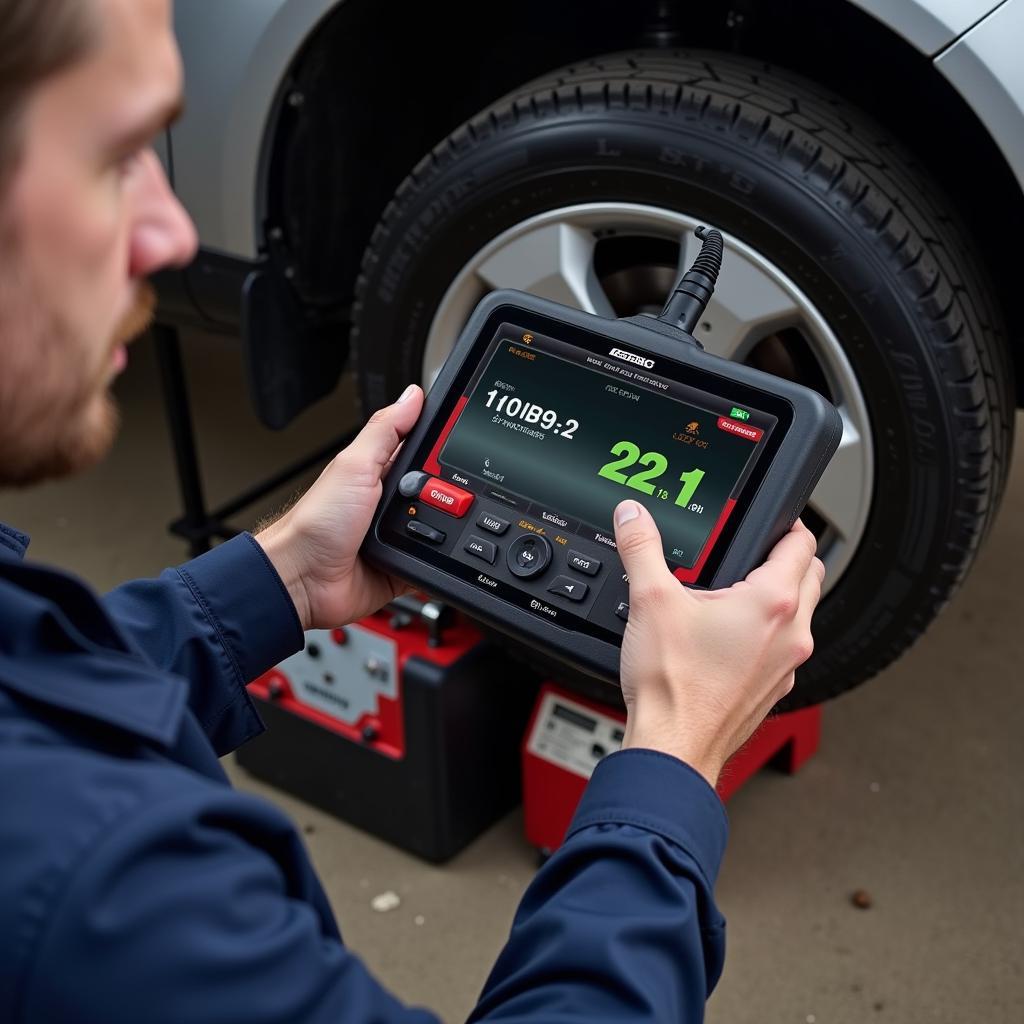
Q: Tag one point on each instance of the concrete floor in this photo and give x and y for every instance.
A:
(915, 796)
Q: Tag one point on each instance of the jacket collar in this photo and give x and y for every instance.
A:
(59, 648)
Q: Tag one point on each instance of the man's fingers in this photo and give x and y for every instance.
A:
(795, 550)
(787, 563)
(640, 548)
(375, 445)
(810, 594)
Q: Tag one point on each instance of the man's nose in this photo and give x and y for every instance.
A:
(163, 234)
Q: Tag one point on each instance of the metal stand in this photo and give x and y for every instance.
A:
(199, 525)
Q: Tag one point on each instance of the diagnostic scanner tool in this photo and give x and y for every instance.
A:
(544, 418)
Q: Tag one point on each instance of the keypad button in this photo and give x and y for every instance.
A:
(492, 523)
(482, 549)
(447, 497)
(424, 532)
(528, 555)
(565, 586)
(622, 611)
(583, 563)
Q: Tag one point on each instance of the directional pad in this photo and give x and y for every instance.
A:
(528, 555)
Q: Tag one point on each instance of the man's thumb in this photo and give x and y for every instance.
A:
(376, 443)
(639, 543)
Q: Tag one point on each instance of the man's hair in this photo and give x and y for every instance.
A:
(37, 39)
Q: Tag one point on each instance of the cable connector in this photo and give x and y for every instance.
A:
(690, 297)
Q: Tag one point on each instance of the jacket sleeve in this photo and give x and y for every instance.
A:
(620, 925)
(218, 621)
(197, 907)
(196, 903)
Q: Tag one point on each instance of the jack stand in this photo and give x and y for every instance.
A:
(199, 525)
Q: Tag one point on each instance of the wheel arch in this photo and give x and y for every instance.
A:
(237, 55)
(411, 76)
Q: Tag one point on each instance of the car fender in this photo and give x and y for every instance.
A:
(928, 25)
(237, 54)
(222, 140)
(984, 66)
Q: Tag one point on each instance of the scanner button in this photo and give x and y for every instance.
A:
(447, 497)
(482, 549)
(412, 483)
(418, 529)
(622, 610)
(528, 555)
(583, 563)
(564, 586)
(492, 523)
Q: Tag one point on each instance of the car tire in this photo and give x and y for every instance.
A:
(816, 186)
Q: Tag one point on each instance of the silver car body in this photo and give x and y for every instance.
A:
(238, 52)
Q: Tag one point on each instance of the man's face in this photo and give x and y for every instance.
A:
(86, 217)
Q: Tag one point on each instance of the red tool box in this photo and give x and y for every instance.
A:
(569, 733)
(406, 724)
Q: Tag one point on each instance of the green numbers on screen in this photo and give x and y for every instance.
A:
(628, 454)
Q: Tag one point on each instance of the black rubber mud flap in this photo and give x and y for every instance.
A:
(292, 360)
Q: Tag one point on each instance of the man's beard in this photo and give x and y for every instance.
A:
(54, 422)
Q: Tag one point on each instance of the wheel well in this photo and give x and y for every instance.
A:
(378, 85)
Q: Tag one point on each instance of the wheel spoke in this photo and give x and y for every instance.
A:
(747, 304)
(555, 261)
(840, 492)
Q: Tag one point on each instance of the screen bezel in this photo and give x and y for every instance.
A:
(597, 344)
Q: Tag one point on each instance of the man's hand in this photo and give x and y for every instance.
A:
(701, 669)
(315, 545)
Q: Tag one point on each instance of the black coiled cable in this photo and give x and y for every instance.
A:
(690, 297)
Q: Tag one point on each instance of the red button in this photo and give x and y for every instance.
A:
(447, 497)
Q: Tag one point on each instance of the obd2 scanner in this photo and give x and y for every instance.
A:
(544, 418)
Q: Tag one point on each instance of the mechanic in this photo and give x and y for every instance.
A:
(135, 884)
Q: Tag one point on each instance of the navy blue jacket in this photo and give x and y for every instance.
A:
(137, 886)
